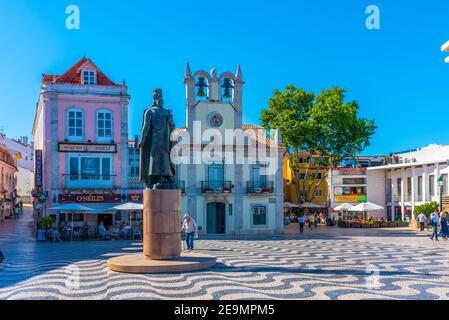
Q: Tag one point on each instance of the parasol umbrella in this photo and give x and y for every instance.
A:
(73, 208)
(343, 207)
(365, 207)
(130, 207)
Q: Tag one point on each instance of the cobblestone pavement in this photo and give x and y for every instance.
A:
(327, 263)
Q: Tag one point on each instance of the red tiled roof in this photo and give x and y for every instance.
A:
(73, 75)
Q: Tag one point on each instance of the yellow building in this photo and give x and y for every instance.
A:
(312, 180)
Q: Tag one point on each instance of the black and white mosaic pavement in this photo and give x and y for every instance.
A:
(330, 264)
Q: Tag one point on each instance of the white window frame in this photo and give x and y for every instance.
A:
(259, 206)
(99, 182)
(75, 137)
(89, 83)
(97, 127)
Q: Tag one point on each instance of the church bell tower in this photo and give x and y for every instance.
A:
(215, 100)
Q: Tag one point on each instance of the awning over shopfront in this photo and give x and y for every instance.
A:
(290, 205)
(101, 208)
(130, 206)
(72, 207)
(311, 205)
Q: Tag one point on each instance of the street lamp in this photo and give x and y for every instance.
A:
(441, 184)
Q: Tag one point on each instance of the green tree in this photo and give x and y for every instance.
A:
(426, 208)
(323, 125)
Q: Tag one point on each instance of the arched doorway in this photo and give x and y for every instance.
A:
(216, 218)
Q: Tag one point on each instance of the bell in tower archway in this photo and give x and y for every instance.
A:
(227, 86)
(202, 85)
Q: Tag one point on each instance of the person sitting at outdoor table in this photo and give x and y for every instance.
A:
(76, 231)
(102, 231)
(126, 230)
(67, 232)
(85, 233)
(115, 231)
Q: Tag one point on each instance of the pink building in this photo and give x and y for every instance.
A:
(8, 181)
(81, 141)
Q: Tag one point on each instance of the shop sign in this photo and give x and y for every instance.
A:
(89, 198)
(350, 198)
(350, 169)
(135, 197)
(38, 169)
(87, 148)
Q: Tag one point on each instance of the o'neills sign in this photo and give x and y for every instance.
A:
(89, 198)
(87, 147)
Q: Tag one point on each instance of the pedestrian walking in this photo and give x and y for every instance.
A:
(421, 220)
(444, 225)
(315, 222)
(2, 212)
(16, 212)
(435, 219)
(322, 217)
(311, 220)
(301, 221)
(190, 228)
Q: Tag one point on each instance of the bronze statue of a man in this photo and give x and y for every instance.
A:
(156, 168)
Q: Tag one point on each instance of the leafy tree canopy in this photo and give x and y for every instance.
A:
(426, 208)
(322, 124)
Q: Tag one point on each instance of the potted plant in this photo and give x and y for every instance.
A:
(342, 224)
(402, 224)
(392, 224)
(43, 222)
(375, 224)
(365, 225)
(356, 224)
(384, 224)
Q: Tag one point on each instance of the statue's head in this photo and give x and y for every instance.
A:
(158, 100)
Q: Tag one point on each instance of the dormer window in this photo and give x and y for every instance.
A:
(89, 77)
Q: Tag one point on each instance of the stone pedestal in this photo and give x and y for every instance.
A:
(162, 224)
(162, 239)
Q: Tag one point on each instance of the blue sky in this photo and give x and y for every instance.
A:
(397, 74)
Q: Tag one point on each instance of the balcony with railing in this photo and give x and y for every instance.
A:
(88, 181)
(419, 198)
(393, 198)
(260, 187)
(407, 197)
(216, 187)
(134, 182)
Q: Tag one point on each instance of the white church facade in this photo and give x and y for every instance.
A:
(231, 184)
